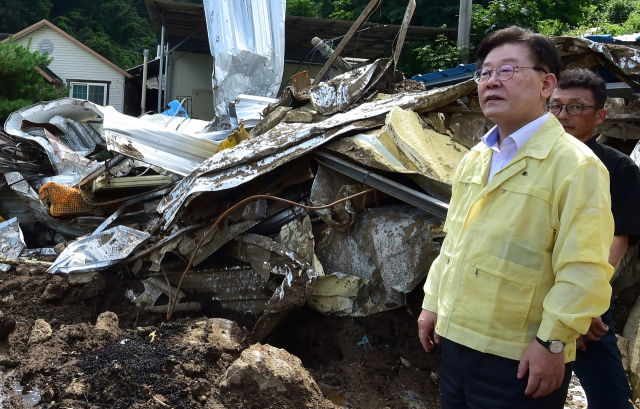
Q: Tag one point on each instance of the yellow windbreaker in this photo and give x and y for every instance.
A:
(526, 254)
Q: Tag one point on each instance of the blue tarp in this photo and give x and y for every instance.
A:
(602, 38)
(446, 77)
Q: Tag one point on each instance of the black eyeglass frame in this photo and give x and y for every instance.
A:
(477, 75)
(566, 108)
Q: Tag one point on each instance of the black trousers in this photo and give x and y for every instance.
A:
(600, 371)
(470, 379)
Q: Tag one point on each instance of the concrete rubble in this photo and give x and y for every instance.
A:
(144, 193)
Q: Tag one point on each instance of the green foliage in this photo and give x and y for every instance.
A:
(302, 8)
(552, 28)
(16, 15)
(501, 14)
(618, 11)
(119, 30)
(443, 53)
(20, 83)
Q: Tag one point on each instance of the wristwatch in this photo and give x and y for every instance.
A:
(555, 347)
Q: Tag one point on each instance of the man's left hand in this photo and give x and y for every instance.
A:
(546, 370)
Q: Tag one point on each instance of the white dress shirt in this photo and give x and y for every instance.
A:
(510, 146)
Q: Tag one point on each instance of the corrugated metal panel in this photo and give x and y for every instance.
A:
(446, 77)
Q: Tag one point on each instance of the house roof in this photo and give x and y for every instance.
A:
(52, 26)
(185, 21)
(47, 74)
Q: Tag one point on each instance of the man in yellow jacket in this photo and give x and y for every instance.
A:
(524, 265)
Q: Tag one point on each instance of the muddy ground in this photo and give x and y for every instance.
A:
(127, 358)
(139, 360)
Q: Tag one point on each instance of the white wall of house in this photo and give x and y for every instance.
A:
(72, 62)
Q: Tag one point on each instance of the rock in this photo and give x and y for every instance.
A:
(59, 248)
(56, 289)
(626, 275)
(46, 394)
(40, 333)
(75, 390)
(263, 369)
(194, 370)
(225, 334)
(108, 321)
(623, 346)
(7, 326)
(82, 278)
(632, 334)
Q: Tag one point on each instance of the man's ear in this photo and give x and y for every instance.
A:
(602, 114)
(548, 85)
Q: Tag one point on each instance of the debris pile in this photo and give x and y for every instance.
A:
(335, 199)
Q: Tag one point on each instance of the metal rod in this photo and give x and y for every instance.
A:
(160, 73)
(167, 77)
(143, 104)
(388, 186)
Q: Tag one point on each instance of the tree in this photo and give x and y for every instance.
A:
(20, 83)
(20, 14)
(302, 8)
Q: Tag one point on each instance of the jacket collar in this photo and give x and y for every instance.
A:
(538, 146)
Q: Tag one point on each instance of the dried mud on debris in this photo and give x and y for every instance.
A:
(101, 352)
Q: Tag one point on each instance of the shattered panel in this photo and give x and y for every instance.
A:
(390, 247)
(32, 201)
(431, 153)
(238, 289)
(339, 93)
(247, 40)
(153, 144)
(43, 112)
(299, 277)
(11, 241)
(99, 251)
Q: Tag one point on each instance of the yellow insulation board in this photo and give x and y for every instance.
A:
(432, 153)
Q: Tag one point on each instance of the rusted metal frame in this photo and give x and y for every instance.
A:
(388, 186)
(373, 4)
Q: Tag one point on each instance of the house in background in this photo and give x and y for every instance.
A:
(188, 63)
(88, 75)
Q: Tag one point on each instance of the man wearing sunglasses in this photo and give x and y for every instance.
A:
(578, 103)
(523, 267)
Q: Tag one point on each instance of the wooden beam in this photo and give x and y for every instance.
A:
(373, 4)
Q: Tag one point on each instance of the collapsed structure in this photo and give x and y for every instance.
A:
(335, 198)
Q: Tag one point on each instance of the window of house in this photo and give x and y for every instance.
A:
(96, 93)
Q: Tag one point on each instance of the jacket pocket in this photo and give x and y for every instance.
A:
(496, 297)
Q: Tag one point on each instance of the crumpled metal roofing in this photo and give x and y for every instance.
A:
(43, 112)
(620, 60)
(99, 251)
(11, 241)
(151, 143)
(247, 41)
(285, 142)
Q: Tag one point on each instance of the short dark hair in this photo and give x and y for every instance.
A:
(584, 78)
(543, 51)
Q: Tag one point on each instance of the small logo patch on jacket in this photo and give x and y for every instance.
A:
(525, 173)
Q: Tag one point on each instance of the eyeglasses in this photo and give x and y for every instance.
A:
(504, 73)
(572, 109)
